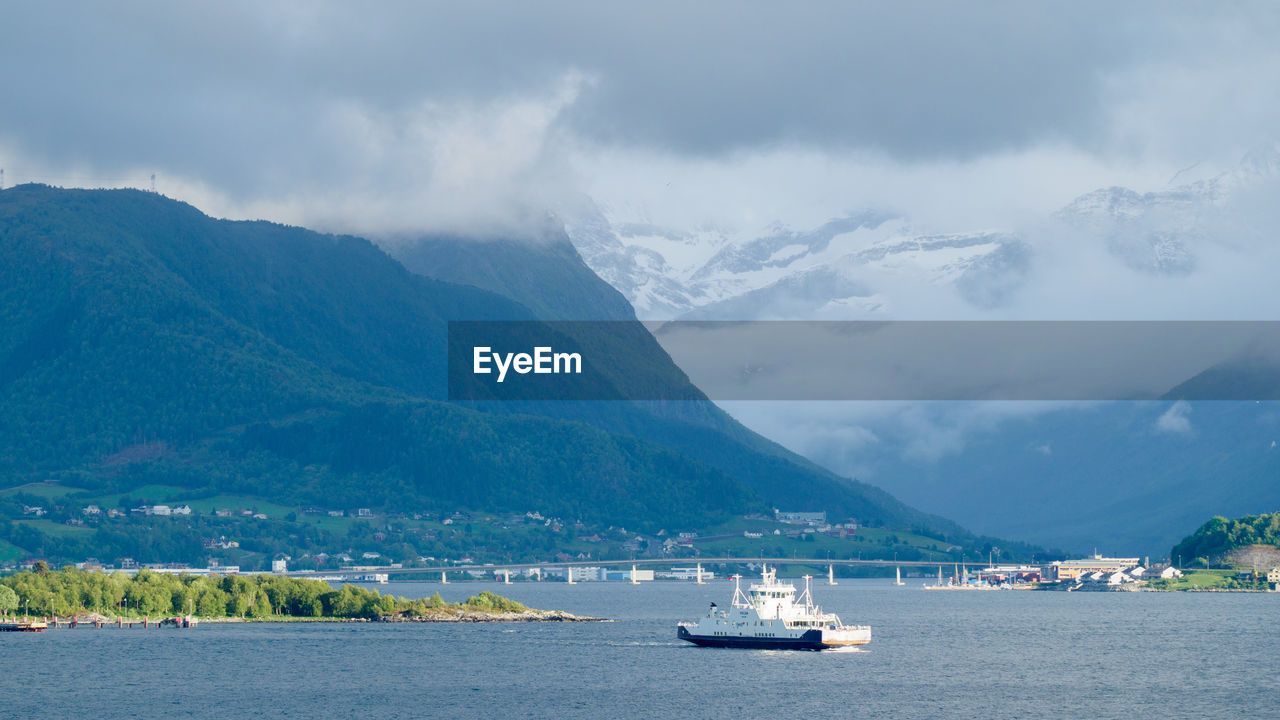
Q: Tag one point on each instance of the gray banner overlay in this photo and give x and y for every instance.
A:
(864, 360)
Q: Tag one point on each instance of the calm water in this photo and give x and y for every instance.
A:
(933, 654)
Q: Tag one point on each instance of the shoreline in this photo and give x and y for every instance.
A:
(458, 616)
(469, 616)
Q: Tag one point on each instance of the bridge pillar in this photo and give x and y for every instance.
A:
(700, 581)
(444, 578)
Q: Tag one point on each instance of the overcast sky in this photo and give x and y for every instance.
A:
(403, 116)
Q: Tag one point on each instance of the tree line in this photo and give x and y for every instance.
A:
(1211, 543)
(71, 591)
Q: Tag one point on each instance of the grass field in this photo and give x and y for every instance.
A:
(865, 543)
(1195, 580)
(236, 503)
(10, 552)
(53, 529)
(41, 489)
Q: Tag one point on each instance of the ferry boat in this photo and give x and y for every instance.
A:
(770, 616)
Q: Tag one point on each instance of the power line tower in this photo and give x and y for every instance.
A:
(1, 178)
(153, 182)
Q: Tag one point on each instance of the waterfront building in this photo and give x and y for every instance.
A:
(998, 574)
(687, 573)
(1063, 570)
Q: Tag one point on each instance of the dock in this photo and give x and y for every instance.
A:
(23, 625)
(99, 622)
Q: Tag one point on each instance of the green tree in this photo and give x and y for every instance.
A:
(8, 599)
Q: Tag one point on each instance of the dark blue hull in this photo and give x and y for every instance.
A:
(810, 640)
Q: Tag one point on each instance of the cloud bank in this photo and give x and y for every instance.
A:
(429, 115)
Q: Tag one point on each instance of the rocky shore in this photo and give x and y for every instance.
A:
(477, 616)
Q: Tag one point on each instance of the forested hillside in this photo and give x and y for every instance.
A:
(143, 343)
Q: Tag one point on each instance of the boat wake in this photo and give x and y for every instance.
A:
(844, 650)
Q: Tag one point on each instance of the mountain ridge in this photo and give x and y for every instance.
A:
(255, 353)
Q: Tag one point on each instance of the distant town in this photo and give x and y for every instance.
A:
(363, 544)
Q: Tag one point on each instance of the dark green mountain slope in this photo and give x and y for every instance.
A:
(249, 353)
(143, 342)
(545, 272)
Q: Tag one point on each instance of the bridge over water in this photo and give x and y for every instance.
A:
(640, 562)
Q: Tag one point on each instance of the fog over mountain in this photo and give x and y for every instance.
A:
(1201, 249)
(1154, 250)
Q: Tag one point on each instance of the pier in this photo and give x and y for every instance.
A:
(97, 622)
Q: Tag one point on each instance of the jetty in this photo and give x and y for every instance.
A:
(95, 621)
(23, 625)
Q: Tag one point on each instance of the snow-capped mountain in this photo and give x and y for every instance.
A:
(827, 271)
(865, 264)
(1158, 232)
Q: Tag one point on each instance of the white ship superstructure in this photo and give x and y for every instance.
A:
(770, 615)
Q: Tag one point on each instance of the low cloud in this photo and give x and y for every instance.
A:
(420, 116)
(1177, 419)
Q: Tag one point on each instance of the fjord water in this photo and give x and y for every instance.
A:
(933, 654)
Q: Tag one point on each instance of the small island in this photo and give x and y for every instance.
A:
(74, 593)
